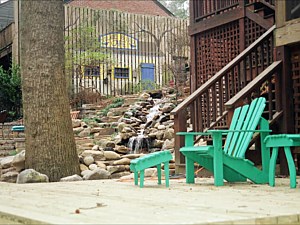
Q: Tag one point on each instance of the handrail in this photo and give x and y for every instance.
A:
(256, 82)
(224, 70)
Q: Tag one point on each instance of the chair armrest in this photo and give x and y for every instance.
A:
(224, 132)
(193, 133)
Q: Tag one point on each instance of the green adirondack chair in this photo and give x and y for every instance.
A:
(229, 162)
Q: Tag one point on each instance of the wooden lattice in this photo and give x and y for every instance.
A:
(214, 49)
(295, 60)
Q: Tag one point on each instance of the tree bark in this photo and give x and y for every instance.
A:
(50, 144)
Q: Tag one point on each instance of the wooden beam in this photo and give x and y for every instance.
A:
(280, 13)
(216, 21)
(289, 33)
(258, 19)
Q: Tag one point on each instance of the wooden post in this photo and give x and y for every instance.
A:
(179, 125)
(287, 125)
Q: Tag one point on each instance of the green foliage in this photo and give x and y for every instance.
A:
(142, 86)
(12, 153)
(179, 7)
(117, 102)
(10, 92)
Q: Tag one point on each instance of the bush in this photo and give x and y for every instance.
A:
(10, 92)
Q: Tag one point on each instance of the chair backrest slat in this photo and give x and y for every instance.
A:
(236, 124)
(253, 120)
(244, 118)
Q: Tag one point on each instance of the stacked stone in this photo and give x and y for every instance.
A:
(102, 147)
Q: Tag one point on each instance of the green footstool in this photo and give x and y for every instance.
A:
(286, 141)
(153, 159)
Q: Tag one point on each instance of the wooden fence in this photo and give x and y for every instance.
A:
(113, 53)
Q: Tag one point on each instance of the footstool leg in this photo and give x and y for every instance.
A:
(167, 173)
(291, 166)
(158, 173)
(273, 166)
(142, 178)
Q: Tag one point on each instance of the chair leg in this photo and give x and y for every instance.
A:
(159, 173)
(142, 172)
(136, 178)
(189, 167)
(273, 166)
(167, 173)
(218, 160)
(291, 166)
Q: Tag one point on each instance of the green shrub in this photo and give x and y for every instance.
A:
(10, 92)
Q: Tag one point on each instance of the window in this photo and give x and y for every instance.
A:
(91, 71)
(121, 72)
(293, 9)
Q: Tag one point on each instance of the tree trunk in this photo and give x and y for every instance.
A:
(50, 144)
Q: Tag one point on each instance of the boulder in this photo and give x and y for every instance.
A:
(120, 174)
(74, 177)
(10, 177)
(6, 162)
(97, 155)
(19, 161)
(88, 160)
(31, 176)
(97, 174)
(110, 155)
(123, 161)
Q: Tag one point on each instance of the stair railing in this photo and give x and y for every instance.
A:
(205, 108)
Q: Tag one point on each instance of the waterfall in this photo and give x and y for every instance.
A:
(140, 142)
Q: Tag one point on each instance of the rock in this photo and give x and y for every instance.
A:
(127, 177)
(83, 167)
(10, 177)
(19, 161)
(100, 165)
(88, 160)
(128, 135)
(158, 143)
(31, 176)
(74, 177)
(93, 167)
(169, 134)
(86, 173)
(6, 162)
(150, 172)
(85, 133)
(132, 156)
(144, 95)
(122, 149)
(103, 131)
(160, 134)
(114, 169)
(109, 155)
(120, 174)
(84, 125)
(97, 174)
(95, 148)
(168, 144)
(123, 161)
(106, 143)
(77, 130)
(168, 107)
(76, 123)
(161, 127)
(97, 155)
(108, 149)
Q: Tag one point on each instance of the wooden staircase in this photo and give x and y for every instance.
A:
(250, 74)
